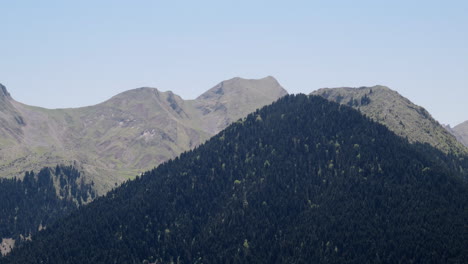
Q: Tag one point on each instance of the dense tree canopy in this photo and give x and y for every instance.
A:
(301, 181)
(37, 200)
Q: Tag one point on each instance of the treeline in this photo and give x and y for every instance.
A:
(36, 201)
(301, 181)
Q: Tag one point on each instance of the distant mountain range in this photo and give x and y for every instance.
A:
(303, 180)
(398, 113)
(126, 135)
(136, 130)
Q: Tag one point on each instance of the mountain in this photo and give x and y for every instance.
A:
(35, 202)
(396, 112)
(304, 180)
(11, 120)
(461, 132)
(231, 99)
(126, 135)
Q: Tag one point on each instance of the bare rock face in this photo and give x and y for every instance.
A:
(6, 245)
(3, 92)
(11, 121)
(130, 133)
(396, 112)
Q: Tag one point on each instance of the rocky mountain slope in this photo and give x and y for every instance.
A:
(126, 135)
(396, 112)
(461, 132)
(303, 180)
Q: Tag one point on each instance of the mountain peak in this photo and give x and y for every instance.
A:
(144, 93)
(267, 79)
(362, 89)
(399, 114)
(234, 98)
(140, 90)
(264, 87)
(141, 94)
(4, 92)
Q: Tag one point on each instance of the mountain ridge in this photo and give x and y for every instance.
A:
(119, 138)
(4, 92)
(398, 113)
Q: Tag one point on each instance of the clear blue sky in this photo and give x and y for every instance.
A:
(76, 53)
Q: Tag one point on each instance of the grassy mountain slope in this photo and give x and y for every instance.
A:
(304, 180)
(124, 136)
(461, 131)
(397, 113)
(231, 99)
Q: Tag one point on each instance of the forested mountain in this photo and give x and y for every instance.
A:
(126, 135)
(397, 113)
(33, 203)
(304, 180)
